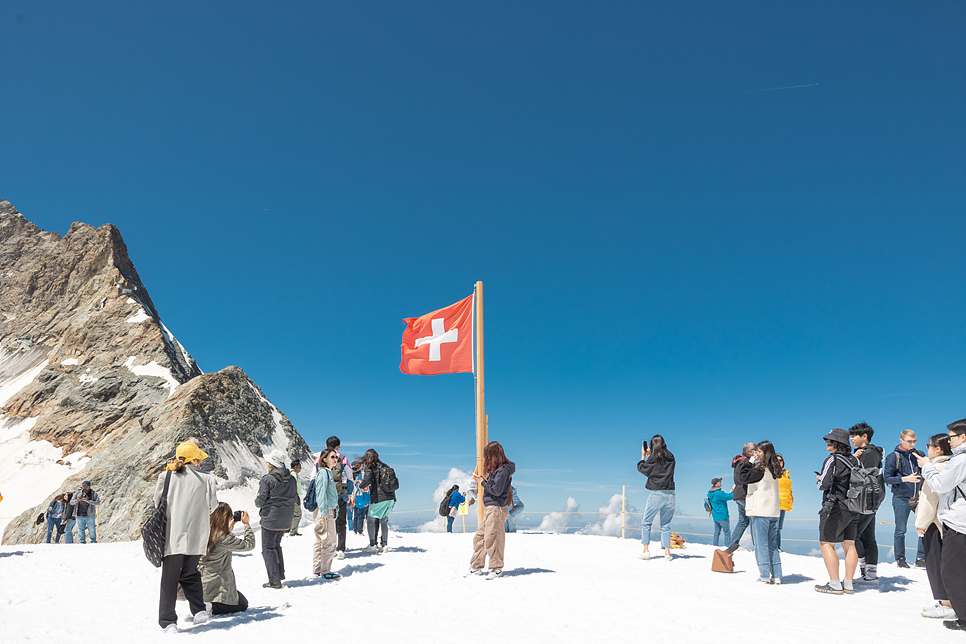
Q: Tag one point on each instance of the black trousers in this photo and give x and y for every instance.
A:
(225, 609)
(179, 569)
(932, 545)
(954, 569)
(272, 554)
(340, 526)
(865, 544)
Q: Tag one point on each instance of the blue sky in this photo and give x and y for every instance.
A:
(669, 243)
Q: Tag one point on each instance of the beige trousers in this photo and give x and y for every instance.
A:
(325, 540)
(490, 538)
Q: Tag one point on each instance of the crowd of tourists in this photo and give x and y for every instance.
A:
(853, 479)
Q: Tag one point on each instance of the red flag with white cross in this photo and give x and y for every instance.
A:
(439, 342)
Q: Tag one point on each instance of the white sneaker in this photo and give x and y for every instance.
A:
(340, 554)
(645, 555)
(208, 608)
(384, 548)
(776, 581)
(200, 617)
(170, 628)
(938, 612)
(474, 572)
(668, 557)
(495, 573)
(370, 549)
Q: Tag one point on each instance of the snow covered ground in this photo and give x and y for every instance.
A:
(557, 588)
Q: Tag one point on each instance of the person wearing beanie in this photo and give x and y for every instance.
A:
(718, 501)
(836, 524)
(276, 506)
(191, 500)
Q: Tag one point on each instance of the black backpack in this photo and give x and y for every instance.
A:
(387, 479)
(865, 495)
(444, 504)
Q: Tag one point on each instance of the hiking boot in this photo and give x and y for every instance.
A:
(829, 590)
(277, 585)
(938, 611)
(200, 617)
(902, 563)
(920, 563)
(495, 573)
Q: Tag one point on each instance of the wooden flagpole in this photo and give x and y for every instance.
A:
(481, 429)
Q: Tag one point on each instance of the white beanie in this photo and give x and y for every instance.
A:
(278, 458)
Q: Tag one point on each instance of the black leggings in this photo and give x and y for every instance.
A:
(374, 525)
(179, 569)
(225, 609)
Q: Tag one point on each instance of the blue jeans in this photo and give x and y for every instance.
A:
(88, 523)
(722, 528)
(764, 531)
(52, 525)
(359, 519)
(901, 507)
(662, 501)
(449, 523)
(69, 531)
(510, 525)
(781, 524)
(742, 523)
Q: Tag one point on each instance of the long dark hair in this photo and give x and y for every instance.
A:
(370, 459)
(941, 442)
(493, 457)
(659, 447)
(321, 462)
(219, 522)
(769, 459)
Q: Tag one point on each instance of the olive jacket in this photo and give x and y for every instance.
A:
(217, 576)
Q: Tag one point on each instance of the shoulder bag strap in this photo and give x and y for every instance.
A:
(167, 480)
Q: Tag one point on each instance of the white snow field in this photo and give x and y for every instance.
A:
(556, 588)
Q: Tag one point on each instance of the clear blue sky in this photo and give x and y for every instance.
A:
(668, 242)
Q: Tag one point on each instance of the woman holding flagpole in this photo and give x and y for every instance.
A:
(490, 538)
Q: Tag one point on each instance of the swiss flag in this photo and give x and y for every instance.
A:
(439, 342)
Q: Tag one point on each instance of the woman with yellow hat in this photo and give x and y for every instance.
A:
(191, 499)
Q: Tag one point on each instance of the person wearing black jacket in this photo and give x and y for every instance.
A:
(869, 455)
(381, 501)
(657, 464)
(836, 523)
(742, 465)
(496, 479)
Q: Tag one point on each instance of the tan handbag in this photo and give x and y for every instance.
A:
(722, 562)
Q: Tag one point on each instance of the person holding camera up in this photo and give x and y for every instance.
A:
(85, 503)
(657, 464)
(217, 576)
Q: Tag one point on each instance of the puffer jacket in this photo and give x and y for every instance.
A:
(785, 492)
(217, 576)
(927, 511)
(276, 499)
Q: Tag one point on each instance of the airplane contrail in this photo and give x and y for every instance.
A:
(776, 89)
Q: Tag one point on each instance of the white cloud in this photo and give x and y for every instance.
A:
(609, 522)
(558, 521)
(456, 476)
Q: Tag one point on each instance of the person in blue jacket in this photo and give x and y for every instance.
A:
(455, 500)
(901, 472)
(719, 511)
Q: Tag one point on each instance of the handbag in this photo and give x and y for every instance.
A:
(154, 529)
(40, 519)
(722, 562)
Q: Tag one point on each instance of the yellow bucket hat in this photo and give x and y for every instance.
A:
(189, 451)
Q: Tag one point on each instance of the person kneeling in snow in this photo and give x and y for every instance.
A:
(217, 576)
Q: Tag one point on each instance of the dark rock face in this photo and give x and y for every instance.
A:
(102, 376)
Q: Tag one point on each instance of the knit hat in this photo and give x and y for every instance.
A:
(838, 435)
(189, 452)
(277, 458)
(715, 482)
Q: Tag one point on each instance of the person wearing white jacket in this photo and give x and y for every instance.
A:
(191, 500)
(763, 508)
(931, 531)
(951, 485)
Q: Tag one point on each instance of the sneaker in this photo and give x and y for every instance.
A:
(777, 581)
(272, 584)
(295, 534)
(866, 581)
(340, 554)
(955, 625)
(645, 555)
(938, 611)
(920, 563)
(200, 617)
(765, 580)
(384, 548)
(169, 629)
(370, 548)
(828, 590)
(902, 563)
(331, 575)
(474, 572)
(495, 573)
(668, 557)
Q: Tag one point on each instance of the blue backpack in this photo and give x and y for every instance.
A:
(308, 501)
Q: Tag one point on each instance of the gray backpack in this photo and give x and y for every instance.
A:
(865, 495)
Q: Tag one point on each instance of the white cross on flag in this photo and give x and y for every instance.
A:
(439, 342)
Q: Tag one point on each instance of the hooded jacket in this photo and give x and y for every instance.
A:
(276, 499)
(659, 471)
(497, 487)
(898, 464)
(950, 483)
(326, 490)
(719, 504)
(370, 479)
(928, 508)
(217, 576)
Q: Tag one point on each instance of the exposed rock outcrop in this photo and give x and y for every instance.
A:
(91, 377)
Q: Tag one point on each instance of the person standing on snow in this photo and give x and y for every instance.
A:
(740, 463)
(191, 500)
(69, 520)
(719, 512)
(85, 504)
(951, 485)
(342, 473)
(866, 547)
(359, 500)
(377, 476)
(657, 464)
(327, 499)
(902, 473)
(276, 504)
(763, 507)
(836, 524)
(515, 509)
(490, 538)
(297, 517)
(785, 497)
(930, 529)
(55, 514)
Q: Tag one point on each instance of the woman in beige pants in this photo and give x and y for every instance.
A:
(490, 537)
(327, 499)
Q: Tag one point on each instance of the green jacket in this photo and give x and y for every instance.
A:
(217, 577)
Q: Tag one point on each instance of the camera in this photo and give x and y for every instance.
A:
(237, 515)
